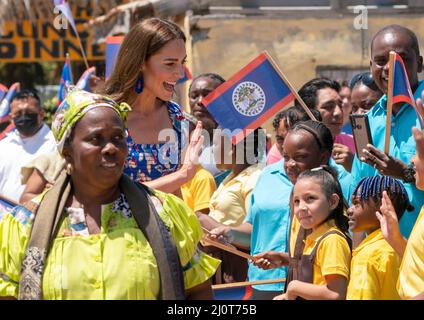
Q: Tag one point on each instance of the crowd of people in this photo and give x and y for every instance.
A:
(113, 201)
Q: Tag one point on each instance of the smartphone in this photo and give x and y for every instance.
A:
(361, 132)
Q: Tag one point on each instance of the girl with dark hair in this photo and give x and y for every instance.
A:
(307, 145)
(374, 254)
(319, 270)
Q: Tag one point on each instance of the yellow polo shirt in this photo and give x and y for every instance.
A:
(231, 201)
(374, 270)
(198, 191)
(333, 254)
(411, 275)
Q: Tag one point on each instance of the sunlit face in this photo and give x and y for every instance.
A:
(98, 148)
(301, 152)
(310, 203)
(345, 95)
(401, 44)
(330, 107)
(362, 215)
(363, 98)
(199, 89)
(163, 69)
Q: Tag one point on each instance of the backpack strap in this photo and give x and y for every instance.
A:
(159, 238)
(314, 251)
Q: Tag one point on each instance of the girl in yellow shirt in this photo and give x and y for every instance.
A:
(321, 271)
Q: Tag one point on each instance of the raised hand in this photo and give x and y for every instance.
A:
(390, 225)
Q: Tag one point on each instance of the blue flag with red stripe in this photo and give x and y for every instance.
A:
(3, 91)
(249, 98)
(112, 49)
(65, 81)
(401, 88)
(84, 81)
(187, 76)
(5, 103)
(236, 293)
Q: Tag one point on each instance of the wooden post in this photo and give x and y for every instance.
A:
(247, 283)
(82, 49)
(292, 89)
(389, 101)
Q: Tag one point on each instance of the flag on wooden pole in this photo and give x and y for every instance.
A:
(398, 90)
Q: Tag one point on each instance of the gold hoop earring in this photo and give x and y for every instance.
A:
(69, 169)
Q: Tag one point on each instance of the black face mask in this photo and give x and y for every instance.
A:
(27, 124)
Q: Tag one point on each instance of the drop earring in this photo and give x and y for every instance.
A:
(139, 84)
(69, 169)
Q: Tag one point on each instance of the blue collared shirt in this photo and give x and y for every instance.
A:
(269, 215)
(402, 146)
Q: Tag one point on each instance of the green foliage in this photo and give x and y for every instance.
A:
(50, 107)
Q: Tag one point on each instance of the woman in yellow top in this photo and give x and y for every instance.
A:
(321, 270)
(96, 234)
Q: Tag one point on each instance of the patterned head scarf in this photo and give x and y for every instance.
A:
(75, 106)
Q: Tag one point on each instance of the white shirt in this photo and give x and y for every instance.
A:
(15, 152)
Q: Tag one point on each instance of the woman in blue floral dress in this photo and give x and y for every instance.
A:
(150, 62)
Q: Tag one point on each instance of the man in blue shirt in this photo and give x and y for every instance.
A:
(402, 145)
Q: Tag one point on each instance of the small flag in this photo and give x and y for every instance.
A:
(237, 293)
(249, 98)
(3, 91)
(8, 129)
(84, 81)
(112, 49)
(187, 76)
(5, 206)
(63, 6)
(401, 88)
(5, 103)
(65, 80)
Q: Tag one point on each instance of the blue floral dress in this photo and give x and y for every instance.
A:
(146, 162)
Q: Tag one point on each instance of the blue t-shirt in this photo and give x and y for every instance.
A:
(269, 215)
(402, 146)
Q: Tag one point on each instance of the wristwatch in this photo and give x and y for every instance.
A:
(408, 174)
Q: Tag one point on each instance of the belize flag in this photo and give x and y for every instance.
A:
(401, 88)
(5, 103)
(112, 49)
(3, 91)
(249, 98)
(187, 76)
(232, 293)
(65, 80)
(84, 82)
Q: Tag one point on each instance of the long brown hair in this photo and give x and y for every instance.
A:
(144, 40)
